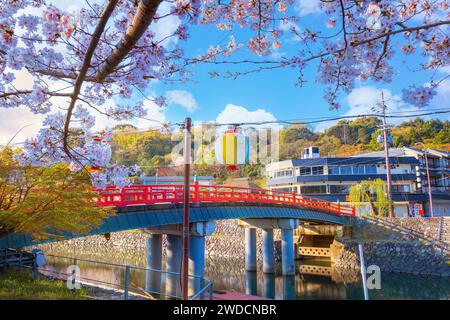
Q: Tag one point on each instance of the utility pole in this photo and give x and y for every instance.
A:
(186, 189)
(386, 155)
(429, 183)
(430, 197)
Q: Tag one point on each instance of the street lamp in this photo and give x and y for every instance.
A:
(428, 177)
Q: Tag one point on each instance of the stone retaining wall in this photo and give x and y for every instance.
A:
(227, 242)
(398, 229)
(414, 257)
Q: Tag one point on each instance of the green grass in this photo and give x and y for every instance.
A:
(19, 285)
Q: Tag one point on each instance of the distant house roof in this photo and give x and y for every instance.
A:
(405, 151)
(393, 152)
(439, 152)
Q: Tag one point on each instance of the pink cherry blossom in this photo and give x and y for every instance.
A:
(51, 44)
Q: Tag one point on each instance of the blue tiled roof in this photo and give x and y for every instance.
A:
(353, 161)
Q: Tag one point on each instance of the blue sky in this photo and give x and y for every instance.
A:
(268, 95)
(274, 92)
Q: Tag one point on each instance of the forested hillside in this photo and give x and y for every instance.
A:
(152, 149)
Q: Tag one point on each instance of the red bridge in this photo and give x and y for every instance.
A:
(146, 206)
(170, 193)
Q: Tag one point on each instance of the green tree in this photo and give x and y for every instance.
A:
(372, 192)
(45, 201)
(296, 132)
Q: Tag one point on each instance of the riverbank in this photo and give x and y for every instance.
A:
(18, 284)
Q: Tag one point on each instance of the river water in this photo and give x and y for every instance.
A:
(315, 279)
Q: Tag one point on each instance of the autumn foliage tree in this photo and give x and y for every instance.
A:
(46, 201)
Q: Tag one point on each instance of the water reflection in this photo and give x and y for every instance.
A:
(251, 283)
(288, 283)
(269, 286)
(314, 280)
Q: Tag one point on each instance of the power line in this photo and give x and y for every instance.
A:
(297, 121)
(397, 115)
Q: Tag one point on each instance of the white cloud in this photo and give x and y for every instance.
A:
(305, 7)
(18, 120)
(445, 69)
(277, 54)
(155, 116)
(442, 99)
(287, 26)
(238, 114)
(154, 112)
(363, 100)
(182, 98)
(165, 26)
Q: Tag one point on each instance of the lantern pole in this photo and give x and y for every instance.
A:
(186, 189)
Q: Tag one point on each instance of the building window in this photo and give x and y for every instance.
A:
(305, 171)
(346, 170)
(285, 173)
(401, 188)
(317, 170)
(333, 170)
(369, 169)
(358, 170)
(339, 189)
(314, 189)
(286, 189)
(372, 169)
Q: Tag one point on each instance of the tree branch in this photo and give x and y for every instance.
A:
(104, 17)
(144, 16)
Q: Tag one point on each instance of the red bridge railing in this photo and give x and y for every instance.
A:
(169, 193)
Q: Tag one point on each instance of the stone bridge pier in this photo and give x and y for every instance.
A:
(154, 258)
(287, 227)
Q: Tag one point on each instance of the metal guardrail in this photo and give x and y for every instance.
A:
(120, 278)
(13, 257)
(173, 193)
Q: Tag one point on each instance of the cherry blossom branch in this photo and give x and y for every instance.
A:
(283, 64)
(20, 92)
(106, 14)
(385, 46)
(142, 19)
